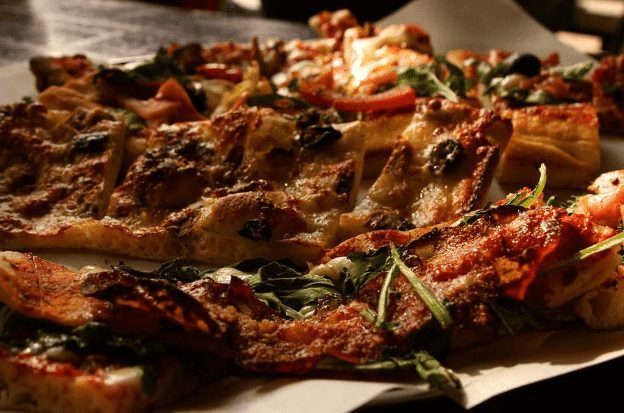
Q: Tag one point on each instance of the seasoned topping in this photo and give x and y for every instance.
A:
(444, 156)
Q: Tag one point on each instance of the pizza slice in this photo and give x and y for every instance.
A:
(551, 109)
(607, 94)
(56, 168)
(563, 137)
(440, 168)
(121, 340)
(64, 351)
(248, 183)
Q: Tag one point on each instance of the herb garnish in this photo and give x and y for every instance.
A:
(438, 310)
(523, 199)
(159, 68)
(427, 366)
(575, 72)
(425, 81)
(584, 253)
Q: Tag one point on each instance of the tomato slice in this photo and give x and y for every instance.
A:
(220, 71)
(400, 97)
(171, 104)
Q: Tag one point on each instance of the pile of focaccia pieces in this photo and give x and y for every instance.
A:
(302, 150)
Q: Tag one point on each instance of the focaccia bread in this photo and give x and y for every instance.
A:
(56, 167)
(563, 137)
(247, 183)
(440, 168)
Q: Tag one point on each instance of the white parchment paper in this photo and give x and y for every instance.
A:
(485, 371)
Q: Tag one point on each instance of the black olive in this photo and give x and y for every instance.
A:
(93, 142)
(257, 230)
(522, 63)
(445, 156)
(383, 220)
(317, 135)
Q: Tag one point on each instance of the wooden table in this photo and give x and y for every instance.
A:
(113, 28)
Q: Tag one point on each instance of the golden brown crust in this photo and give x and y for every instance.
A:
(35, 383)
(565, 138)
(57, 167)
(440, 169)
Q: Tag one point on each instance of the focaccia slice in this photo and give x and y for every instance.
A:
(56, 168)
(245, 183)
(440, 168)
(563, 137)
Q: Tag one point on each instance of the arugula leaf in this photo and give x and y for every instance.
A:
(584, 253)
(537, 191)
(438, 310)
(384, 297)
(427, 366)
(521, 198)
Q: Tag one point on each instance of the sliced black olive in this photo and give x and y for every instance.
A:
(257, 230)
(444, 156)
(317, 135)
(522, 63)
(345, 183)
(93, 142)
(384, 220)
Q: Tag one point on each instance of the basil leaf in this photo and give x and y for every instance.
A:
(133, 121)
(160, 68)
(172, 271)
(575, 72)
(426, 83)
(364, 266)
(287, 290)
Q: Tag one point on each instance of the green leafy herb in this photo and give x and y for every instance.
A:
(438, 310)
(576, 71)
(384, 296)
(361, 267)
(258, 229)
(270, 98)
(537, 191)
(514, 316)
(293, 85)
(584, 253)
(172, 271)
(425, 82)
(133, 121)
(427, 366)
(286, 289)
(160, 68)
(456, 80)
(519, 199)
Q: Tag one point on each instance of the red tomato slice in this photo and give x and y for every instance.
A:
(220, 71)
(400, 97)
